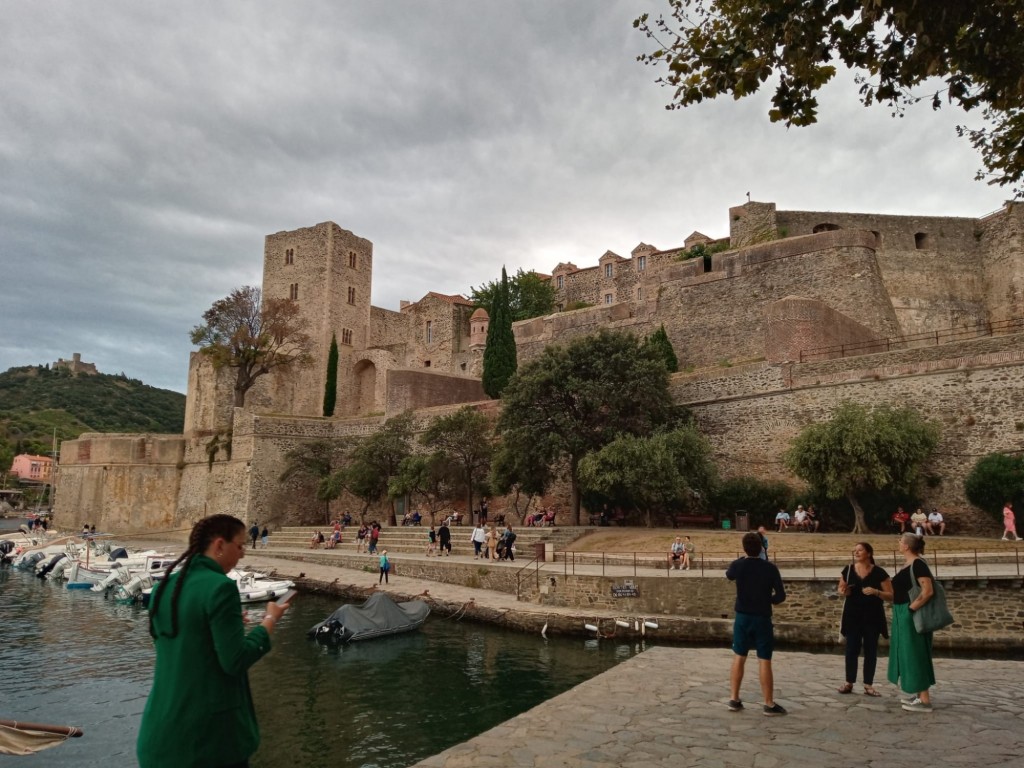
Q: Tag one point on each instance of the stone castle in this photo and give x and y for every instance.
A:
(792, 313)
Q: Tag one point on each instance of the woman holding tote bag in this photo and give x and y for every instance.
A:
(910, 651)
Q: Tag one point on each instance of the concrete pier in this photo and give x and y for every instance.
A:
(666, 708)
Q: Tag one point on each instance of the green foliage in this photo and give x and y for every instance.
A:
(432, 480)
(254, 336)
(375, 460)
(575, 399)
(994, 480)
(760, 499)
(662, 346)
(500, 353)
(520, 476)
(726, 47)
(529, 295)
(464, 440)
(331, 384)
(315, 462)
(36, 401)
(662, 473)
(861, 450)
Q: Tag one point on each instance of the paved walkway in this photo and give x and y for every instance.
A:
(666, 707)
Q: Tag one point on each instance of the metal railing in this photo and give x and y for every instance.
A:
(930, 338)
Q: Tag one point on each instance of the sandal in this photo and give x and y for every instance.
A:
(845, 688)
(869, 690)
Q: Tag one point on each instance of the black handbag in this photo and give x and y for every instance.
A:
(933, 615)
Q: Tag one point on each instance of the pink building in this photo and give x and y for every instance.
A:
(37, 469)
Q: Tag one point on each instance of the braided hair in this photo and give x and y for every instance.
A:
(202, 536)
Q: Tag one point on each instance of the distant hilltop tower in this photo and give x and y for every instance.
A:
(75, 365)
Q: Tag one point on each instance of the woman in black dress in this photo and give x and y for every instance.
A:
(865, 586)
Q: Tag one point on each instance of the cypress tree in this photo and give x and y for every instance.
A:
(500, 353)
(660, 342)
(331, 387)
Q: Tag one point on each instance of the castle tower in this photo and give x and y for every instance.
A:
(478, 323)
(328, 271)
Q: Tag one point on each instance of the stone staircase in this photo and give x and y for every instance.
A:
(413, 539)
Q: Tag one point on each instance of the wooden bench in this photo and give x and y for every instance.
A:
(680, 520)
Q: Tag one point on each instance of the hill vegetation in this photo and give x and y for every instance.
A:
(36, 401)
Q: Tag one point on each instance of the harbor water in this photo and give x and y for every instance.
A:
(71, 657)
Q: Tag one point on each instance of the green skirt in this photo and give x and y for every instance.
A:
(910, 653)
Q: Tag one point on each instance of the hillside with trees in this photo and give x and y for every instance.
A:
(35, 401)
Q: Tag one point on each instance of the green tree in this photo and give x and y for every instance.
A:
(995, 479)
(660, 343)
(658, 474)
(430, 478)
(465, 440)
(760, 499)
(500, 352)
(575, 399)
(331, 385)
(717, 47)
(253, 336)
(860, 450)
(375, 461)
(519, 475)
(529, 295)
(315, 462)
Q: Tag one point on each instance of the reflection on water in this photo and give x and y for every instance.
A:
(71, 657)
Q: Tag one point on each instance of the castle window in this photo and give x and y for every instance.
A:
(346, 336)
(609, 269)
(641, 263)
(293, 291)
(289, 256)
(922, 240)
(351, 295)
(426, 363)
(561, 281)
(607, 298)
(430, 332)
(462, 366)
(561, 307)
(352, 259)
(639, 294)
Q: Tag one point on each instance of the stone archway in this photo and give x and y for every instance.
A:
(365, 400)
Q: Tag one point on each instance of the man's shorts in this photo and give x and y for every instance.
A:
(750, 631)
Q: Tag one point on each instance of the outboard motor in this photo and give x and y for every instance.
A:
(118, 554)
(28, 562)
(43, 570)
(331, 632)
(6, 548)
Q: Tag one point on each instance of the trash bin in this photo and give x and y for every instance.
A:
(726, 525)
(742, 521)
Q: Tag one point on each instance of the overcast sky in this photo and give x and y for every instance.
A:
(147, 148)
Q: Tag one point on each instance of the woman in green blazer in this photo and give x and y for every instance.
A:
(200, 712)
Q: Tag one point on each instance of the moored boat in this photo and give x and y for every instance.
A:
(379, 616)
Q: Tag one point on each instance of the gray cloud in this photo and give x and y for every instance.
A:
(146, 149)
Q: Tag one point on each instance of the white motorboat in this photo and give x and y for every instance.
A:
(256, 587)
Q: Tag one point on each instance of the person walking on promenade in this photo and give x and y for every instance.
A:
(374, 536)
(1009, 523)
(385, 567)
(758, 588)
(763, 534)
(431, 541)
(254, 533)
(492, 543)
(865, 586)
(361, 535)
(510, 544)
(265, 536)
(200, 712)
(478, 537)
(910, 651)
(444, 535)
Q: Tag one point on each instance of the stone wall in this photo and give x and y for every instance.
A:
(795, 325)
(409, 390)
(1002, 235)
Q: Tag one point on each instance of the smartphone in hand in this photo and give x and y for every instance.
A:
(286, 596)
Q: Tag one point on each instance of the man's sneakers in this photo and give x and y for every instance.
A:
(774, 710)
(915, 705)
(735, 705)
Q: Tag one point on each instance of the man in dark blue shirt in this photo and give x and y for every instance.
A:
(758, 588)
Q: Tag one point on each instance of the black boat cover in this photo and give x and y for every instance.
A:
(377, 617)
